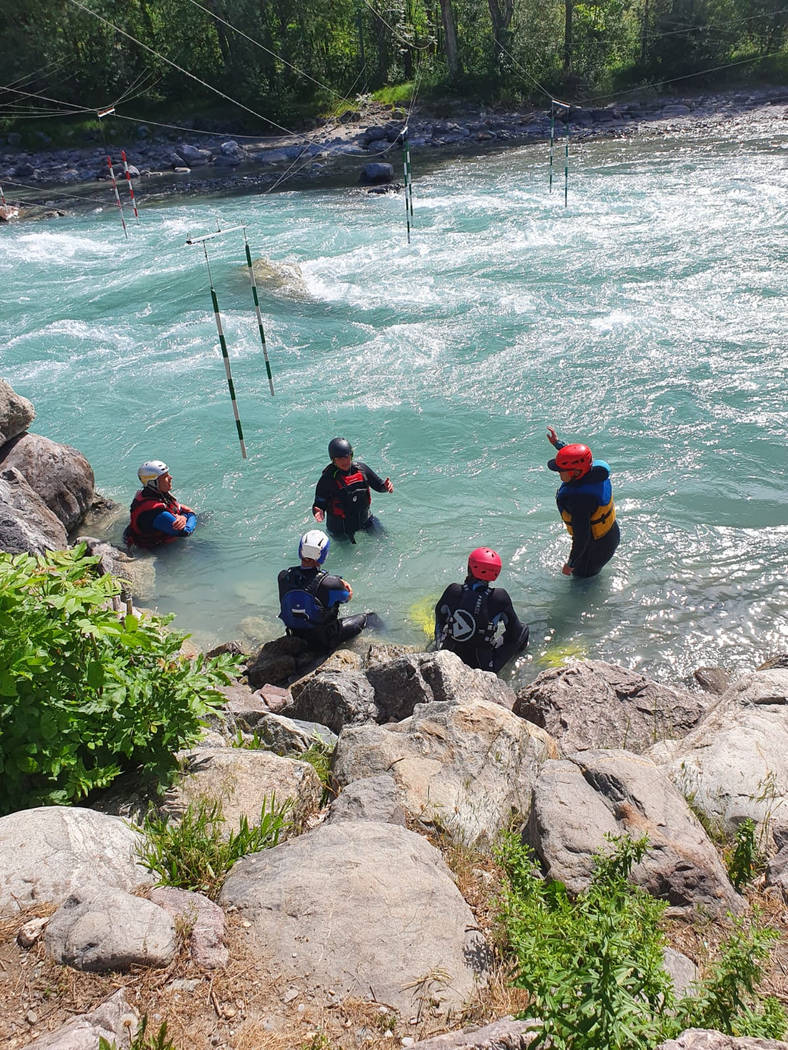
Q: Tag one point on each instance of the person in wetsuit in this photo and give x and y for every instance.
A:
(585, 502)
(342, 495)
(309, 598)
(476, 621)
(156, 516)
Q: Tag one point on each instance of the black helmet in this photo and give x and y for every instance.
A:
(339, 447)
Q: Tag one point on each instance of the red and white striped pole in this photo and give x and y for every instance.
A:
(117, 195)
(128, 181)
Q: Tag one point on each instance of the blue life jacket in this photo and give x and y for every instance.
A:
(300, 607)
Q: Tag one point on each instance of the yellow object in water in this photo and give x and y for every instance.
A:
(422, 614)
(558, 655)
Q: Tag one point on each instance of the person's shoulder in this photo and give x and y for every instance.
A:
(286, 573)
(334, 583)
(600, 470)
(452, 590)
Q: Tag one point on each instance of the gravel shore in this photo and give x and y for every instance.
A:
(49, 181)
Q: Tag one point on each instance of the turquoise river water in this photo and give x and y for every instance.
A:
(647, 318)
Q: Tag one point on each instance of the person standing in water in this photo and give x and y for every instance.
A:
(342, 496)
(156, 516)
(585, 503)
(476, 621)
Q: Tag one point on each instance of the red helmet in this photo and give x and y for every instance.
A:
(484, 564)
(573, 457)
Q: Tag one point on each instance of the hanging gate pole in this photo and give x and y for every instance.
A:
(560, 109)
(117, 195)
(128, 181)
(257, 311)
(222, 340)
(408, 183)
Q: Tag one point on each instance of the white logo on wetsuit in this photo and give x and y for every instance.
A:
(462, 625)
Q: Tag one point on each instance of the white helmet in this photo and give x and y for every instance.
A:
(314, 544)
(150, 472)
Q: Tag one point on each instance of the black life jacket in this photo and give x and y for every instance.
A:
(135, 532)
(353, 499)
(469, 620)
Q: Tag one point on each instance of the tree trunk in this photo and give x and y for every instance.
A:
(568, 36)
(450, 37)
(501, 15)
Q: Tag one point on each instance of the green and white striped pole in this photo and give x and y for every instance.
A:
(563, 109)
(408, 184)
(552, 142)
(257, 311)
(566, 158)
(225, 355)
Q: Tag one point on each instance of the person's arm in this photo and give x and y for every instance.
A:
(175, 524)
(321, 500)
(554, 440)
(375, 481)
(335, 591)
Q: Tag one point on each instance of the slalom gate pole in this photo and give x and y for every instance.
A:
(257, 311)
(128, 182)
(566, 160)
(117, 195)
(552, 141)
(2, 197)
(408, 185)
(225, 355)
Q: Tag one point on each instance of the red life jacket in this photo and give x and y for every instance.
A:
(353, 498)
(136, 533)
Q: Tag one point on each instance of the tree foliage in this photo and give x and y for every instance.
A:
(285, 58)
(86, 694)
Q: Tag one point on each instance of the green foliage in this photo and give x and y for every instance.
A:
(594, 964)
(141, 1040)
(197, 852)
(318, 755)
(85, 694)
(746, 859)
(726, 998)
(253, 742)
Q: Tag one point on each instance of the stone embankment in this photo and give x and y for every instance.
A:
(356, 913)
(358, 147)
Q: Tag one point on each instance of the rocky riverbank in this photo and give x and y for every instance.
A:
(184, 163)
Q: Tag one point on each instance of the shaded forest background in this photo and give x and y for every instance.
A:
(289, 60)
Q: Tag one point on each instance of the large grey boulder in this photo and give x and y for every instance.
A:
(596, 704)
(16, 413)
(243, 779)
(703, 1039)
(293, 736)
(464, 768)
(334, 699)
(137, 575)
(370, 798)
(113, 1020)
(423, 678)
(60, 475)
(192, 156)
(47, 853)
(579, 800)
(734, 765)
(365, 910)
(26, 522)
(101, 928)
(506, 1034)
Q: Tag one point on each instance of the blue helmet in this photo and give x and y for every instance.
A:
(314, 544)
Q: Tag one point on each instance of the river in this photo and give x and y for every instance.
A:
(647, 318)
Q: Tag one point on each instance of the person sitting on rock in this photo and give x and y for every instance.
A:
(476, 621)
(156, 516)
(309, 598)
(342, 496)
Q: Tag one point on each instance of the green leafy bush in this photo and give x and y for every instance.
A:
(86, 694)
(141, 1041)
(197, 852)
(745, 860)
(593, 965)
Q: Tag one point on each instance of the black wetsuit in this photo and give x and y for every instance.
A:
(344, 496)
(586, 506)
(479, 624)
(331, 593)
